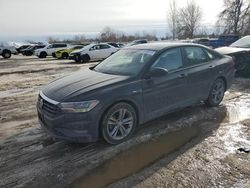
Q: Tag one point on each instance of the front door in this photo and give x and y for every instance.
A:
(168, 92)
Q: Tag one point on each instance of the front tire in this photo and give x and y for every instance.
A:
(216, 93)
(6, 54)
(85, 58)
(119, 123)
(43, 55)
(65, 55)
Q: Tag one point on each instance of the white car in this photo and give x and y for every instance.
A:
(6, 50)
(93, 52)
(49, 50)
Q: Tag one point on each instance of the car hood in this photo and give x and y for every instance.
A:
(76, 51)
(79, 84)
(231, 50)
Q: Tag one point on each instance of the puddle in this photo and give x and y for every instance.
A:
(136, 158)
(238, 110)
(233, 137)
(234, 134)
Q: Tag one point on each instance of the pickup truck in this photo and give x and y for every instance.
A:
(6, 50)
(223, 40)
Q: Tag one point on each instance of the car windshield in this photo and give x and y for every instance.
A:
(125, 62)
(243, 42)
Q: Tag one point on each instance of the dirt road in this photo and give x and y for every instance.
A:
(196, 146)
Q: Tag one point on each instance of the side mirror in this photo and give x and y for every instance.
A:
(158, 72)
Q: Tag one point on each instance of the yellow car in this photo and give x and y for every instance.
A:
(64, 53)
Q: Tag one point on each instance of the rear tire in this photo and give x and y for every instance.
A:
(216, 93)
(6, 54)
(118, 123)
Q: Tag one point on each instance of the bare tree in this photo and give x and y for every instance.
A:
(188, 20)
(235, 16)
(108, 35)
(172, 18)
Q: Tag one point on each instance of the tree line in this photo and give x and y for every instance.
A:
(183, 23)
(233, 19)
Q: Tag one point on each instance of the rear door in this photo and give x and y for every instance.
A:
(105, 51)
(163, 94)
(201, 71)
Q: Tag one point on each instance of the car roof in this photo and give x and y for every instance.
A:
(157, 46)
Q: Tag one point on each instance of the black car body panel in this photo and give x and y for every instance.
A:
(150, 96)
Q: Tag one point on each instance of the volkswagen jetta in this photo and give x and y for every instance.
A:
(131, 87)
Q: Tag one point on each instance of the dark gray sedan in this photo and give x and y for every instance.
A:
(131, 87)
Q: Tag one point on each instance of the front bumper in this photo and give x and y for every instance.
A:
(54, 54)
(37, 53)
(75, 57)
(75, 127)
(58, 55)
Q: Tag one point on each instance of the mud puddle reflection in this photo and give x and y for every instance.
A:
(238, 110)
(136, 158)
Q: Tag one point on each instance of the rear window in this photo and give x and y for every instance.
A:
(195, 55)
(212, 55)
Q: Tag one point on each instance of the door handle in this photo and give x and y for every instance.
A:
(211, 66)
(182, 75)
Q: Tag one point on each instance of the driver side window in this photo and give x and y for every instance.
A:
(170, 60)
(96, 47)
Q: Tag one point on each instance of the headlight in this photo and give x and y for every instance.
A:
(75, 107)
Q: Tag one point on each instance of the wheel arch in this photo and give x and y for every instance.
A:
(130, 102)
(224, 79)
(6, 50)
(43, 52)
(86, 54)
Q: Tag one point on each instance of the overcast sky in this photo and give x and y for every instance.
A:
(45, 17)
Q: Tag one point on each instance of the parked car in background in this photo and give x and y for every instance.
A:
(136, 42)
(117, 45)
(49, 49)
(64, 53)
(93, 52)
(133, 86)
(223, 40)
(22, 47)
(6, 50)
(30, 50)
(202, 41)
(240, 51)
(113, 44)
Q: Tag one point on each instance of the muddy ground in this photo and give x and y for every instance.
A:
(195, 147)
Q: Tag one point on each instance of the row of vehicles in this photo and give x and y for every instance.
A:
(79, 53)
(84, 52)
(222, 40)
(239, 50)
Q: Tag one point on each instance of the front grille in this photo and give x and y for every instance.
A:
(48, 107)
